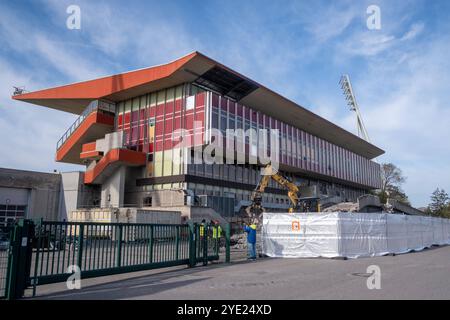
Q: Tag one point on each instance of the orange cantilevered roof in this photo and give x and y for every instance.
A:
(196, 67)
(75, 97)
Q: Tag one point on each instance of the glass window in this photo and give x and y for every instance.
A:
(179, 92)
(153, 99)
(223, 121)
(167, 163)
(158, 164)
(161, 97)
(208, 170)
(170, 94)
(214, 118)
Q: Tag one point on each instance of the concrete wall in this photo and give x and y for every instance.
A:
(75, 194)
(42, 190)
(160, 198)
(167, 198)
(403, 208)
(133, 194)
(16, 196)
(113, 189)
(110, 141)
(126, 215)
(196, 214)
(70, 182)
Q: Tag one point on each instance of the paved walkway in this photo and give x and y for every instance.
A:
(420, 275)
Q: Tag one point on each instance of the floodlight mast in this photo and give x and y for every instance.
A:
(351, 101)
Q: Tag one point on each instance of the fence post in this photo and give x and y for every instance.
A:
(119, 247)
(13, 256)
(177, 242)
(38, 230)
(80, 246)
(227, 242)
(205, 244)
(151, 244)
(192, 246)
(19, 259)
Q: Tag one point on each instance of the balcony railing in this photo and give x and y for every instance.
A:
(96, 105)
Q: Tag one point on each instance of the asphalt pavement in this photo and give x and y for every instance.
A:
(417, 275)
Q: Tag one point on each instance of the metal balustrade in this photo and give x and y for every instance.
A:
(96, 105)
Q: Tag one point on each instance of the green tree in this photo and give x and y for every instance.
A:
(391, 180)
(440, 204)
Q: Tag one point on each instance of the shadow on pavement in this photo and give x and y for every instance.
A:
(137, 286)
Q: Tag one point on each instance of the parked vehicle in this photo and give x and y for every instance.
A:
(4, 242)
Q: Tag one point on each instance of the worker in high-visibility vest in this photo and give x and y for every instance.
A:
(217, 233)
(201, 230)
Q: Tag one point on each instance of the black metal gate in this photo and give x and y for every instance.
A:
(47, 252)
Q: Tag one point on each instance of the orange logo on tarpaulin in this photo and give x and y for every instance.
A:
(296, 225)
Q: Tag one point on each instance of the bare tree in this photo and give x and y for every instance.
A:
(392, 178)
(440, 204)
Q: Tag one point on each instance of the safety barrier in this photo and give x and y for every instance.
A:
(350, 235)
(50, 252)
(96, 105)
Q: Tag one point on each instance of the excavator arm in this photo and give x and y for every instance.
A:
(256, 208)
(293, 190)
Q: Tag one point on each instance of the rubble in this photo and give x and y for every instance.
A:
(239, 241)
(343, 207)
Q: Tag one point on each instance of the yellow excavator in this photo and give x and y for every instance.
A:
(297, 203)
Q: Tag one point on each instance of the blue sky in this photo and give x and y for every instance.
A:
(401, 73)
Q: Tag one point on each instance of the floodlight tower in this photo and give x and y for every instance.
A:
(351, 101)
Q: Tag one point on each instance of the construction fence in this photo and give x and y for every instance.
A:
(349, 235)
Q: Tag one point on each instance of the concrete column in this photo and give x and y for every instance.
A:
(70, 185)
(113, 189)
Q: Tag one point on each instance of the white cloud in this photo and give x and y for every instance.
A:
(55, 52)
(414, 31)
(328, 21)
(72, 65)
(367, 44)
(29, 132)
(403, 95)
(144, 37)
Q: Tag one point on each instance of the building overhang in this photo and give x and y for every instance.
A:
(197, 68)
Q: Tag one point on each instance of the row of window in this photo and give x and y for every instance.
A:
(150, 120)
(9, 213)
(297, 148)
(166, 111)
(350, 194)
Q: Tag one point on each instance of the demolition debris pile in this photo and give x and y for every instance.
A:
(350, 235)
(238, 241)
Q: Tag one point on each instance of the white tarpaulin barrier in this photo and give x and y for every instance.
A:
(349, 235)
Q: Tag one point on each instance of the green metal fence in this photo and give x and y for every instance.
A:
(4, 249)
(52, 250)
(3, 270)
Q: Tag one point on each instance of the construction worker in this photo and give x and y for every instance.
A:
(202, 228)
(251, 241)
(217, 230)
(217, 233)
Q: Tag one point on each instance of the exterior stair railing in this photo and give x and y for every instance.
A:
(96, 105)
